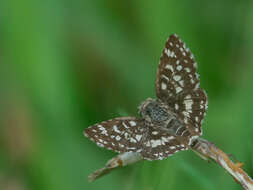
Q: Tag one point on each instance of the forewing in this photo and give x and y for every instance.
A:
(177, 83)
(129, 134)
(160, 144)
(176, 71)
(120, 134)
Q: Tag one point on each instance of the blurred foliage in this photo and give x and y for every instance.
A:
(65, 65)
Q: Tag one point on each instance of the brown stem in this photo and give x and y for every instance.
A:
(202, 147)
(207, 150)
(116, 162)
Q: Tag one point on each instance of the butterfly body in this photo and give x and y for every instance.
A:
(159, 116)
(155, 112)
(167, 124)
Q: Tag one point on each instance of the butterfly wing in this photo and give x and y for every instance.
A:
(160, 144)
(130, 134)
(122, 134)
(177, 84)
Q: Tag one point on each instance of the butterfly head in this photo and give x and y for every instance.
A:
(152, 111)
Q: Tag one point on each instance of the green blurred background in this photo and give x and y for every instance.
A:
(65, 65)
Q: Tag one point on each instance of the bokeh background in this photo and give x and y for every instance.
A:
(65, 65)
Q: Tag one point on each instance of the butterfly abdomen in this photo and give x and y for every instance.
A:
(177, 128)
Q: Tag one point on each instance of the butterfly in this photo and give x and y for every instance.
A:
(170, 122)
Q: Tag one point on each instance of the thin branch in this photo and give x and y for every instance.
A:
(201, 147)
(121, 160)
(208, 150)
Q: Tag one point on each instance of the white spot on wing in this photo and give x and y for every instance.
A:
(169, 67)
(187, 69)
(170, 138)
(176, 106)
(181, 82)
(196, 86)
(179, 67)
(188, 104)
(118, 138)
(125, 125)
(177, 77)
(126, 135)
(121, 145)
(138, 137)
(172, 54)
(132, 123)
(131, 148)
(100, 144)
(178, 89)
(155, 143)
(169, 53)
(115, 128)
(103, 130)
(164, 86)
(165, 77)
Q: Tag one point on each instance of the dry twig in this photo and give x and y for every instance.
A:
(209, 150)
(116, 162)
(202, 147)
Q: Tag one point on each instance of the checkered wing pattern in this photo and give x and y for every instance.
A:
(122, 134)
(129, 134)
(159, 144)
(177, 87)
(177, 84)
